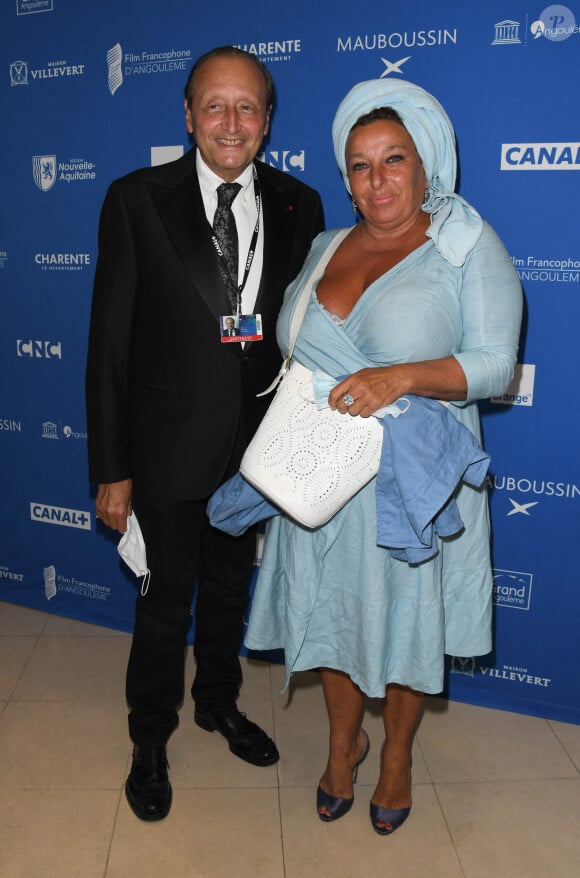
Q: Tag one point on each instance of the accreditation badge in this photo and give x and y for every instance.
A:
(241, 327)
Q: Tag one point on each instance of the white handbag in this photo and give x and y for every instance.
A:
(308, 461)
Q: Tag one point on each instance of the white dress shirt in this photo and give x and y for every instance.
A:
(245, 213)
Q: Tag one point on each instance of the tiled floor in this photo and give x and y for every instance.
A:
(495, 794)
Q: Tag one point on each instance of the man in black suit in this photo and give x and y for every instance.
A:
(161, 439)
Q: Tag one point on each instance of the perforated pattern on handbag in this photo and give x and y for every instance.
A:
(310, 462)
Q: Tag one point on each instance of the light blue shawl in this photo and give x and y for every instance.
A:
(455, 225)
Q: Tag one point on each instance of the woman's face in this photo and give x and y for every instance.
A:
(386, 175)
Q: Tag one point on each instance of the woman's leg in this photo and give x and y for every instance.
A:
(401, 712)
(344, 703)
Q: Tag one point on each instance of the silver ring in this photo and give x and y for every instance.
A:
(348, 400)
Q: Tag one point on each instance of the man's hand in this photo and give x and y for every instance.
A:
(113, 504)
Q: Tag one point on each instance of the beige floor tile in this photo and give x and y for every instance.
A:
(21, 620)
(14, 654)
(48, 745)
(569, 737)
(202, 760)
(461, 742)
(75, 669)
(515, 829)
(65, 834)
(59, 625)
(350, 848)
(208, 834)
(302, 734)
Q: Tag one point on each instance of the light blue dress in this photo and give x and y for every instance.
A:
(331, 597)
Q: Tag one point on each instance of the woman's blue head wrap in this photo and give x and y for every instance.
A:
(455, 225)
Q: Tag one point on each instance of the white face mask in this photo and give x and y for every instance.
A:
(131, 548)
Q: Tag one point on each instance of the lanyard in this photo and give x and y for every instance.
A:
(236, 300)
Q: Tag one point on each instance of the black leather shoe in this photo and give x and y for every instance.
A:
(147, 788)
(246, 739)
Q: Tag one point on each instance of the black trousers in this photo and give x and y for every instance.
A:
(182, 547)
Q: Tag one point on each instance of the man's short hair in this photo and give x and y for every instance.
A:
(231, 52)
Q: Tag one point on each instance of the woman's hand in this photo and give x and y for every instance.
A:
(370, 390)
(375, 388)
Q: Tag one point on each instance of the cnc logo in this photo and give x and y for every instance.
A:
(512, 589)
(540, 157)
(283, 159)
(19, 73)
(34, 349)
(44, 171)
(58, 515)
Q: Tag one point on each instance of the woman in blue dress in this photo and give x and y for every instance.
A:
(421, 298)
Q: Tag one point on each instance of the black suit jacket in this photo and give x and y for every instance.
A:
(165, 397)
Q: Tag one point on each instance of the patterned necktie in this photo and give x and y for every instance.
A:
(224, 227)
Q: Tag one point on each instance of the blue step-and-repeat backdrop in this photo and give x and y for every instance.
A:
(91, 91)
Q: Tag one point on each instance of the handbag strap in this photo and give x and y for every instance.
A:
(302, 305)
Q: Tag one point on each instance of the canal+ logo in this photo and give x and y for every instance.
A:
(540, 156)
(58, 515)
